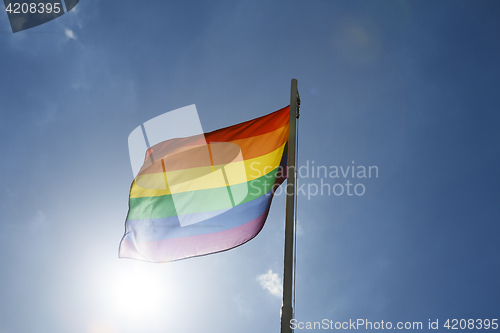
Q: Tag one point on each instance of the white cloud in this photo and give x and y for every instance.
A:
(271, 282)
(70, 34)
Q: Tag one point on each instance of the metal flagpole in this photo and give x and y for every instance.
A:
(287, 309)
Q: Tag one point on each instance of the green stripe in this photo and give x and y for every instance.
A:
(163, 206)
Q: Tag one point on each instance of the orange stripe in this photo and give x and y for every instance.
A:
(192, 152)
(262, 144)
(254, 127)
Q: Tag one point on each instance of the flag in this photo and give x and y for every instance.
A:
(206, 193)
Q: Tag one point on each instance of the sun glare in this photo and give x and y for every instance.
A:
(138, 293)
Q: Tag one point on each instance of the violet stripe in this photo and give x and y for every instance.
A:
(186, 247)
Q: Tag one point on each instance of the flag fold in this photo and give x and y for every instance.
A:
(206, 193)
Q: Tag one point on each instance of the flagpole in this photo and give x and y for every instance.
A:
(287, 309)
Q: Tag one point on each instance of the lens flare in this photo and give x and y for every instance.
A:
(138, 294)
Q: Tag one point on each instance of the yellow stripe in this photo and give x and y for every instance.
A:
(155, 184)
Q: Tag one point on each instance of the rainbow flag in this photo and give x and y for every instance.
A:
(206, 193)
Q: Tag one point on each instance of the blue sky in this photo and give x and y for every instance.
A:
(408, 86)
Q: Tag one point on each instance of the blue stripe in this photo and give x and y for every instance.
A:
(148, 230)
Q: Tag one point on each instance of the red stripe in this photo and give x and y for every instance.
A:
(252, 128)
(257, 126)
